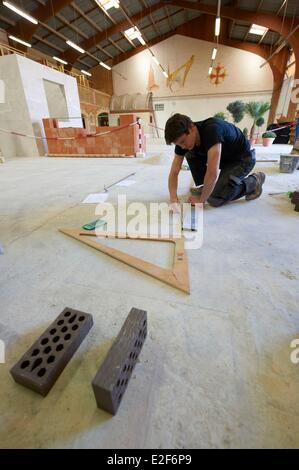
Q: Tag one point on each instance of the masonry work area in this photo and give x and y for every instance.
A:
(121, 141)
(149, 211)
(222, 330)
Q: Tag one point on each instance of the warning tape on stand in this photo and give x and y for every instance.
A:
(270, 130)
(99, 134)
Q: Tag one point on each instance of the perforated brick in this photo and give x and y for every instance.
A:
(44, 361)
(110, 383)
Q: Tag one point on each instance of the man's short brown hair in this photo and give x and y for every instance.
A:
(177, 125)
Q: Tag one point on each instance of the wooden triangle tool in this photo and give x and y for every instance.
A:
(177, 277)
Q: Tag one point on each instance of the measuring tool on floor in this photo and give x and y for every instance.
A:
(190, 221)
(94, 225)
(119, 181)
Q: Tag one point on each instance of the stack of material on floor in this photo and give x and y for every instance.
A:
(295, 200)
(118, 141)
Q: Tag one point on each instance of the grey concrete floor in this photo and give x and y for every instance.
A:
(215, 370)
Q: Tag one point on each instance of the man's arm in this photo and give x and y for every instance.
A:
(173, 177)
(212, 173)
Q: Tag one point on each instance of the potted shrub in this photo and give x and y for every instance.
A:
(245, 132)
(256, 110)
(259, 123)
(237, 110)
(220, 115)
(268, 138)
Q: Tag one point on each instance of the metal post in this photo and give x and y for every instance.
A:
(140, 152)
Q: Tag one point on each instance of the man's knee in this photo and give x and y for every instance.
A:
(224, 194)
(216, 201)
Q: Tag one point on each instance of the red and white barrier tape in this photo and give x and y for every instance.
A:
(160, 128)
(139, 136)
(284, 127)
(270, 130)
(99, 134)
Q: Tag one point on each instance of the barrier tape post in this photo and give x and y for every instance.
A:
(140, 152)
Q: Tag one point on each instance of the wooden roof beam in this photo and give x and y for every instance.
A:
(26, 30)
(95, 26)
(71, 55)
(268, 20)
(151, 18)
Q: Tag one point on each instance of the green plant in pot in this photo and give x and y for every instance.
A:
(245, 132)
(237, 110)
(268, 138)
(220, 115)
(259, 123)
(256, 110)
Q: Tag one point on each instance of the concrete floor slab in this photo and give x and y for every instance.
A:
(215, 370)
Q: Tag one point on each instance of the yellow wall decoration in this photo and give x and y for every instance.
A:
(179, 76)
(151, 84)
(218, 75)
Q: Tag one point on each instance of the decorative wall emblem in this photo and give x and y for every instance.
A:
(178, 78)
(151, 85)
(218, 74)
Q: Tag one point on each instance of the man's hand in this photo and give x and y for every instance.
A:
(175, 206)
(194, 200)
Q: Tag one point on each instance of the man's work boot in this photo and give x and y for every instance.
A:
(260, 179)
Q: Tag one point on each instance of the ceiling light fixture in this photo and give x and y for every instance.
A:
(74, 46)
(20, 12)
(105, 66)
(214, 53)
(20, 41)
(134, 33)
(130, 34)
(60, 60)
(155, 59)
(218, 19)
(107, 4)
(86, 73)
(258, 30)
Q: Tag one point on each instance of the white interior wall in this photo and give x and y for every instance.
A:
(199, 108)
(33, 75)
(26, 103)
(14, 112)
(244, 74)
(198, 98)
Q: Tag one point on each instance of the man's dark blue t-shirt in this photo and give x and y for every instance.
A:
(214, 131)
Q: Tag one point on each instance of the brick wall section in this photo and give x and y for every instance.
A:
(120, 142)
